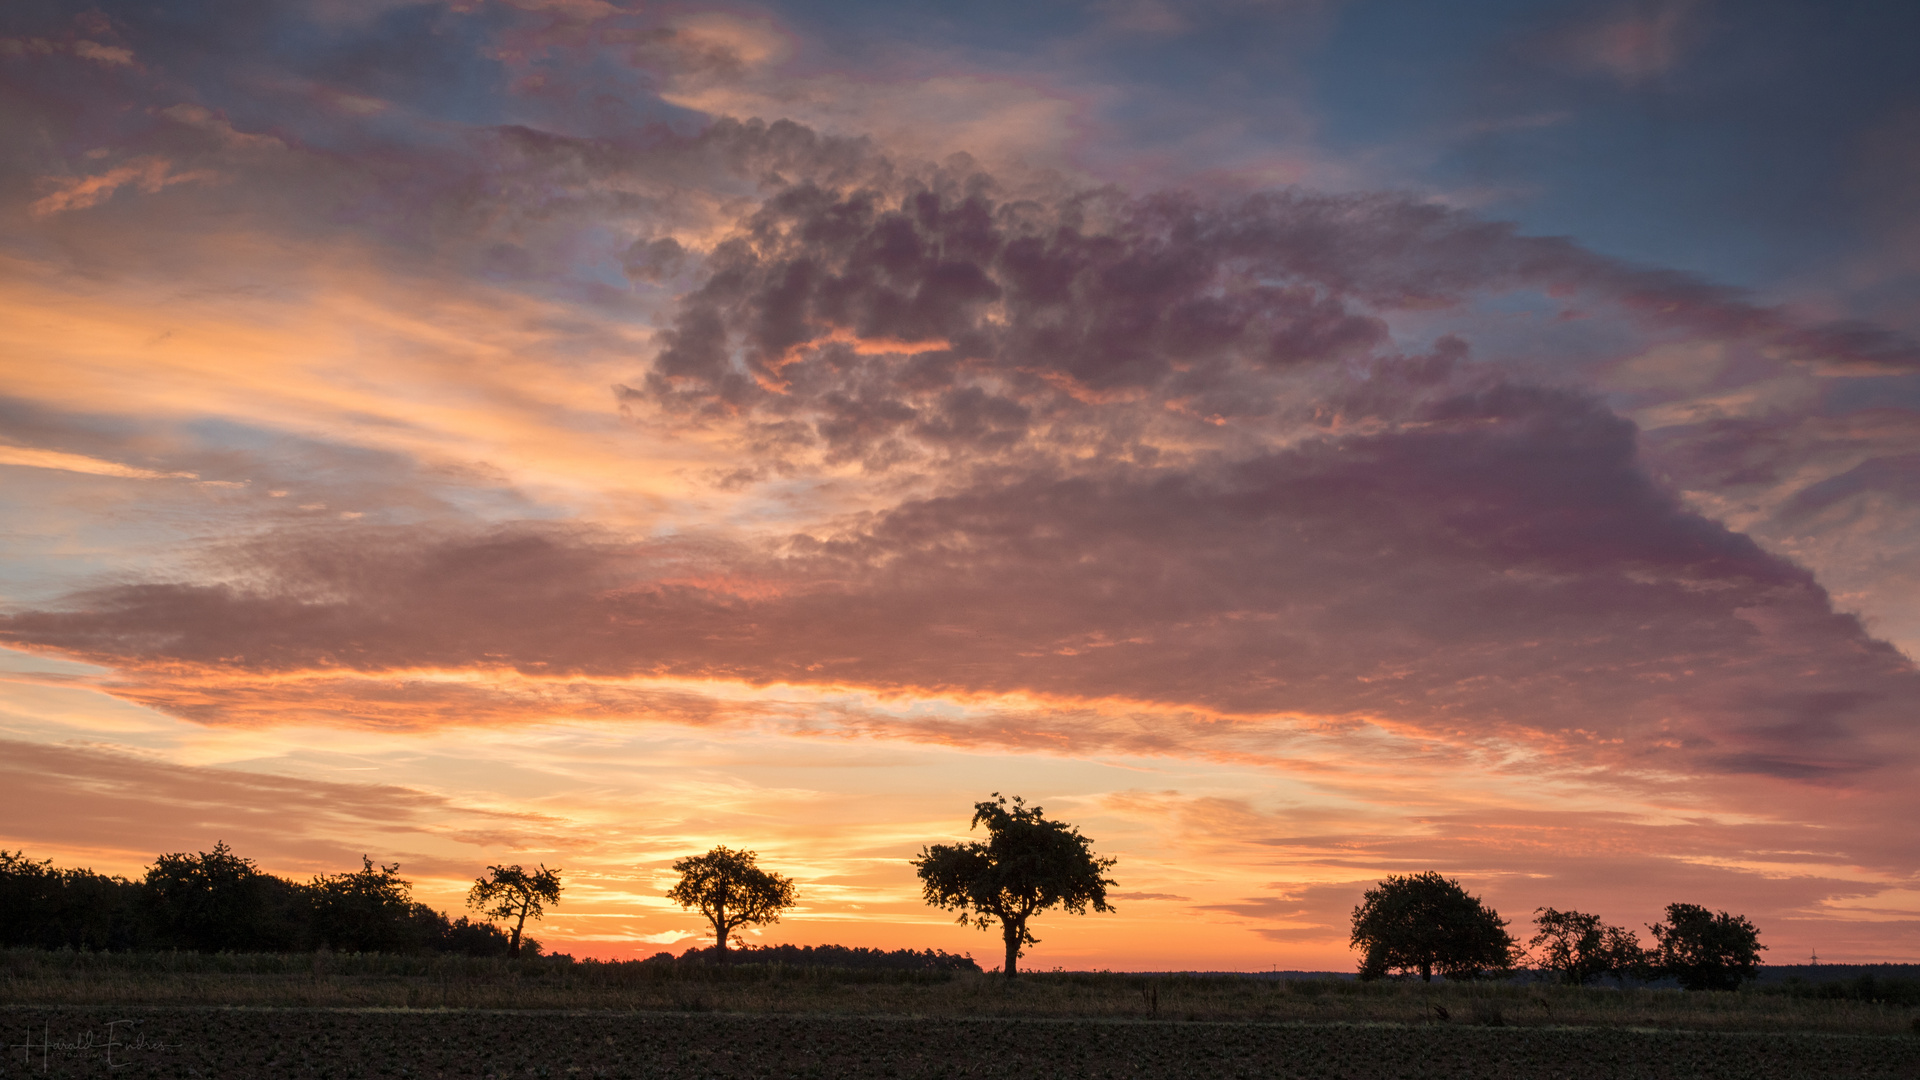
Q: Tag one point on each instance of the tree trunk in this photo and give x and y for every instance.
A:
(720, 935)
(513, 947)
(1426, 971)
(1012, 934)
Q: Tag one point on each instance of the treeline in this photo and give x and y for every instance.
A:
(216, 901)
(1698, 948)
(1425, 924)
(219, 902)
(1866, 986)
(834, 956)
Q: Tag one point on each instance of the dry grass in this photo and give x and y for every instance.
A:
(43, 979)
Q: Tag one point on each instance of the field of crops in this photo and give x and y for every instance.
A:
(228, 1042)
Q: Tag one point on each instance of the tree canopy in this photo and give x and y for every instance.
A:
(516, 894)
(1026, 865)
(45, 907)
(216, 900)
(1704, 950)
(1428, 923)
(1580, 948)
(368, 910)
(731, 890)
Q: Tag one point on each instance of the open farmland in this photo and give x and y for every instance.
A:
(239, 1042)
(346, 1016)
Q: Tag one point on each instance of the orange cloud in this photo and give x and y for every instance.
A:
(32, 457)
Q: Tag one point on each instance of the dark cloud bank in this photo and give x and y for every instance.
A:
(863, 321)
(1501, 567)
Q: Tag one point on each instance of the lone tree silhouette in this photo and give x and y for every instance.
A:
(1027, 865)
(1427, 923)
(1703, 950)
(731, 891)
(510, 892)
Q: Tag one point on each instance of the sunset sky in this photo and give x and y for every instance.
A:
(1294, 441)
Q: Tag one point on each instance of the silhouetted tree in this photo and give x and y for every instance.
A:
(1580, 948)
(1027, 865)
(24, 885)
(1427, 923)
(371, 910)
(731, 890)
(470, 938)
(1703, 950)
(217, 901)
(48, 908)
(510, 892)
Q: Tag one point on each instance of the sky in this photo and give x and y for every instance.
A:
(1295, 442)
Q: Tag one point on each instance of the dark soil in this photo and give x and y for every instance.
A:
(240, 1042)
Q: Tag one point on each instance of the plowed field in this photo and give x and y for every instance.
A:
(251, 1042)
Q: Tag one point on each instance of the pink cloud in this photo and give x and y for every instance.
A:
(1166, 454)
(111, 55)
(125, 808)
(147, 174)
(1501, 568)
(106, 54)
(1173, 298)
(1636, 45)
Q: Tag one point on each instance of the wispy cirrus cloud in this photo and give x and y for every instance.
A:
(38, 458)
(149, 175)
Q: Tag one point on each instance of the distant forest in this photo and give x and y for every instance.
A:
(216, 901)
